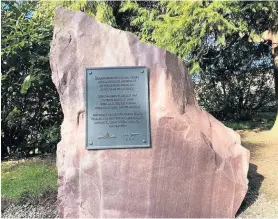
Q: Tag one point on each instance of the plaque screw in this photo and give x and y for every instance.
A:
(90, 72)
(144, 141)
(91, 143)
(142, 71)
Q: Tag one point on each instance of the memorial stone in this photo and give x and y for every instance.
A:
(193, 166)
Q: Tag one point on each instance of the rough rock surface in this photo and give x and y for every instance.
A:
(196, 166)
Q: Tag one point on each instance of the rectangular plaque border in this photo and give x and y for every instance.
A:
(87, 146)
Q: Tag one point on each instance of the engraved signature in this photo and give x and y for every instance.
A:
(131, 134)
(107, 135)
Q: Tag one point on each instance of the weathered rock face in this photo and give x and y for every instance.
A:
(196, 166)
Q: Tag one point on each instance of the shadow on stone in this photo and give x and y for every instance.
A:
(255, 182)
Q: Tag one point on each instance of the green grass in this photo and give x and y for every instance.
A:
(29, 177)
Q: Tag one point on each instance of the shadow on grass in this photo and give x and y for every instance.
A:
(255, 182)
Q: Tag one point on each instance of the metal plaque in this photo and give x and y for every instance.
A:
(117, 108)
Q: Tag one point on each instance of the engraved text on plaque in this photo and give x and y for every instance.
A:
(117, 108)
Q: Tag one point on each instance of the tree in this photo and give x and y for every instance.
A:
(101, 10)
(31, 112)
(192, 30)
(238, 82)
(263, 21)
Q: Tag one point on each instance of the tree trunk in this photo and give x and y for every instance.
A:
(4, 141)
(275, 126)
(4, 151)
(272, 36)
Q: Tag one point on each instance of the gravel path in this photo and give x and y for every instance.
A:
(262, 196)
(254, 206)
(29, 211)
(43, 206)
(262, 208)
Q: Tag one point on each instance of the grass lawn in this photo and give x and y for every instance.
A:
(30, 177)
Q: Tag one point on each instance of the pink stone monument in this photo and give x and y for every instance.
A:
(196, 166)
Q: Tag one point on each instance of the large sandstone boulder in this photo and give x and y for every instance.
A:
(196, 166)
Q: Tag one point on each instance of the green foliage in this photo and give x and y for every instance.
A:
(190, 28)
(28, 177)
(184, 28)
(101, 10)
(30, 104)
(104, 13)
(26, 84)
(237, 82)
(144, 18)
(31, 113)
(215, 38)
